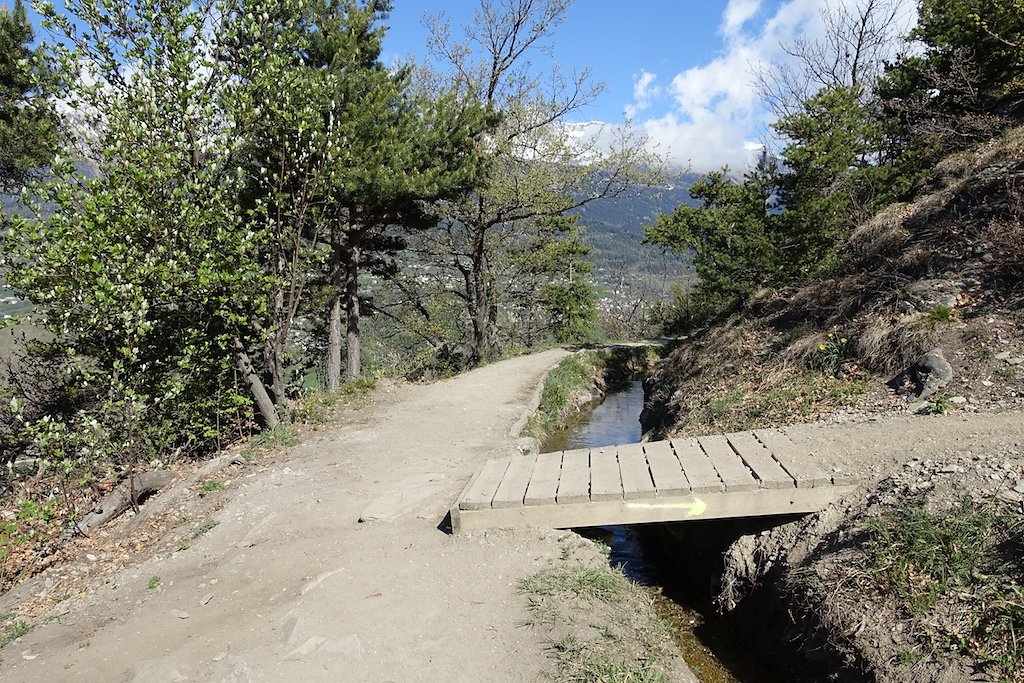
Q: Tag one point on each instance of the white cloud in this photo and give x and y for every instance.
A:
(644, 93)
(716, 118)
(737, 13)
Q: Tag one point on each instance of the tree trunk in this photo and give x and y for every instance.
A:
(273, 353)
(479, 299)
(352, 254)
(259, 392)
(333, 379)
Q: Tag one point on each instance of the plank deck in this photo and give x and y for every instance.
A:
(745, 474)
(636, 472)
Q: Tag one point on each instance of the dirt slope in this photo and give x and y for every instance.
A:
(290, 586)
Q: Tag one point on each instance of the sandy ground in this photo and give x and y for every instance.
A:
(290, 586)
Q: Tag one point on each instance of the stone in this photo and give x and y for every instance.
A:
(933, 372)
(1003, 355)
(919, 407)
(181, 614)
(927, 295)
(958, 400)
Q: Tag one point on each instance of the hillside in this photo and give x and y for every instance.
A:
(922, 316)
(615, 231)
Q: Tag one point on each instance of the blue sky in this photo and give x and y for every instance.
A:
(680, 69)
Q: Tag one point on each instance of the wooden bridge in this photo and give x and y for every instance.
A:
(746, 474)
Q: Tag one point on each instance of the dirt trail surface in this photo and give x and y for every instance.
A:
(290, 586)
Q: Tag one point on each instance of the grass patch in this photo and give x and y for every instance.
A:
(958, 573)
(278, 437)
(318, 407)
(571, 375)
(939, 314)
(600, 627)
(12, 631)
(587, 583)
(581, 662)
(204, 527)
(796, 399)
(154, 582)
(210, 486)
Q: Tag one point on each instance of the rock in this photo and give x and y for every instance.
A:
(181, 614)
(919, 407)
(26, 466)
(958, 400)
(927, 295)
(933, 372)
(1003, 355)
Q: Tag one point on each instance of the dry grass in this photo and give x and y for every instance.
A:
(888, 346)
(882, 235)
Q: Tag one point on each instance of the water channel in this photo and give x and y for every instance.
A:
(646, 556)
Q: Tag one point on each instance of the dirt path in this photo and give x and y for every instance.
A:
(291, 587)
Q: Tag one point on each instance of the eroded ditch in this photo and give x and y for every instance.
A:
(678, 563)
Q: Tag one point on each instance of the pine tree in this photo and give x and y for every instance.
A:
(27, 127)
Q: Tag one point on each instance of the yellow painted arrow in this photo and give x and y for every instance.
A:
(697, 508)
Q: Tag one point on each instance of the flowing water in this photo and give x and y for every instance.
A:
(645, 557)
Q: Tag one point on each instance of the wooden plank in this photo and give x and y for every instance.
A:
(636, 474)
(734, 473)
(796, 460)
(574, 482)
(605, 482)
(482, 490)
(669, 479)
(768, 471)
(544, 480)
(760, 503)
(700, 472)
(512, 489)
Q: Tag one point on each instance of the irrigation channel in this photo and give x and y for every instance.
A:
(660, 558)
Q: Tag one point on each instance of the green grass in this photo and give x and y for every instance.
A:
(573, 373)
(278, 437)
(940, 404)
(601, 583)
(939, 314)
(581, 662)
(795, 400)
(210, 486)
(205, 527)
(12, 631)
(318, 406)
(154, 582)
(957, 573)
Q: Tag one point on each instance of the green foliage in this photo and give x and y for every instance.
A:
(570, 375)
(832, 176)
(990, 31)
(154, 582)
(28, 128)
(731, 234)
(832, 352)
(553, 262)
(145, 271)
